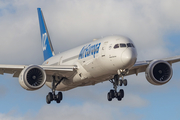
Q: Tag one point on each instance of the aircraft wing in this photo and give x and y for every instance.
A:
(140, 66)
(50, 70)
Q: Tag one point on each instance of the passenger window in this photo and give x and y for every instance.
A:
(122, 45)
(116, 46)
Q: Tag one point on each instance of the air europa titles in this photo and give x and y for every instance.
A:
(89, 50)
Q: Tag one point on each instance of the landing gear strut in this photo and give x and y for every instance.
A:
(113, 93)
(52, 95)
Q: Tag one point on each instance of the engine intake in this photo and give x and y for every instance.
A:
(159, 72)
(32, 77)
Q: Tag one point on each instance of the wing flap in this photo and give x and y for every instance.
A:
(17, 73)
(59, 68)
(11, 69)
(62, 70)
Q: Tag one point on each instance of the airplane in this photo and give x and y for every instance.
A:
(106, 59)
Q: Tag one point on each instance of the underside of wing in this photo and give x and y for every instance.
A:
(141, 66)
(172, 59)
(11, 69)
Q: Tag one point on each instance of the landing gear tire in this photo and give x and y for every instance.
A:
(112, 93)
(109, 97)
(121, 92)
(52, 95)
(125, 82)
(120, 82)
(119, 98)
(59, 97)
(58, 101)
(47, 100)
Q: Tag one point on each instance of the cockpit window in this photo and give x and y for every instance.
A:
(130, 45)
(116, 46)
(122, 45)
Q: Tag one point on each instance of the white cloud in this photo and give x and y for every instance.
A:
(76, 21)
(80, 21)
(86, 111)
(98, 94)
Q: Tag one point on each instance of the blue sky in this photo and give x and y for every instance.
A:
(153, 26)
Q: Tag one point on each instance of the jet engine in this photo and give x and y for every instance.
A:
(158, 72)
(32, 77)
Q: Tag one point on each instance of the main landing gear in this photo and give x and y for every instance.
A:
(113, 93)
(52, 95)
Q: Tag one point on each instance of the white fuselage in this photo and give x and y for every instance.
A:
(97, 61)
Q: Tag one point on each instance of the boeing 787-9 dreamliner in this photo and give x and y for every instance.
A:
(107, 59)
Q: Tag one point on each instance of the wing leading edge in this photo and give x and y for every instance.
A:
(140, 66)
(50, 70)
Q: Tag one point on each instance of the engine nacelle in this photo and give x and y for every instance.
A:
(32, 77)
(159, 72)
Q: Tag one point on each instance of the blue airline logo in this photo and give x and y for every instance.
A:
(47, 51)
(44, 38)
(89, 50)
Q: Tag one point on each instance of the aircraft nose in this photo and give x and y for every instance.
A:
(129, 57)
